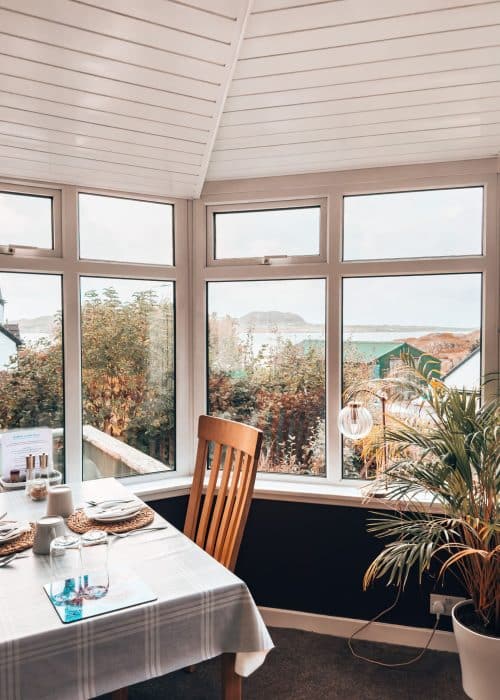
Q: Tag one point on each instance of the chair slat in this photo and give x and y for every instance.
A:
(221, 499)
(196, 490)
(209, 496)
(228, 508)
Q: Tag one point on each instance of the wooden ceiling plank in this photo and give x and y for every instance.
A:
(378, 70)
(197, 128)
(84, 54)
(112, 35)
(43, 121)
(99, 118)
(380, 116)
(337, 13)
(347, 129)
(175, 15)
(56, 75)
(405, 98)
(355, 55)
(94, 153)
(95, 142)
(48, 172)
(365, 88)
(89, 164)
(372, 31)
(283, 153)
(87, 66)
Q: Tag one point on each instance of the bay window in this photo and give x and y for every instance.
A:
(125, 317)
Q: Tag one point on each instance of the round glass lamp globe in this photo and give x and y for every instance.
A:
(354, 421)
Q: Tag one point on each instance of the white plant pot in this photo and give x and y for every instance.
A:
(479, 659)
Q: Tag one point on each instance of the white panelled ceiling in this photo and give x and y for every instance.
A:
(156, 96)
(120, 94)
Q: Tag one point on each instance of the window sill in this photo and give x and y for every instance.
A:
(348, 495)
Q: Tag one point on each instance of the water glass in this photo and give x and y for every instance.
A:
(66, 568)
(95, 573)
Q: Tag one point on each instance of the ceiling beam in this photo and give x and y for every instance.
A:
(229, 68)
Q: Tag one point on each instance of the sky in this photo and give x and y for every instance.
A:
(125, 230)
(255, 234)
(429, 223)
(25, 220)
(303, 297)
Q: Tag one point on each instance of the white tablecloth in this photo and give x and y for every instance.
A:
(202, 611)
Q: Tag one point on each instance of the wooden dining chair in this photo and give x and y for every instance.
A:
(216, 523)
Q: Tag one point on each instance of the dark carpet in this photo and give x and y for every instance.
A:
(307, 666)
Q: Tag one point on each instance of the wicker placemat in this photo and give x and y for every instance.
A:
(78, 522)
(24, 541)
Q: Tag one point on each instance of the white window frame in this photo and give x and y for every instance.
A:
(333, 188)
(192, 271)
(71, 268)
(23, 251)
(265, 258)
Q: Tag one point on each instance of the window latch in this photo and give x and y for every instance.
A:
(269, 259)
(7, 250)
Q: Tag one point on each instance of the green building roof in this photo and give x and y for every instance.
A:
(370, 350)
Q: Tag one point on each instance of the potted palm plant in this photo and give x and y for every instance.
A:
(448, 450)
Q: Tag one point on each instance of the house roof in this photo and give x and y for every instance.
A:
(368, 351)
(466, 373)
(10, 335)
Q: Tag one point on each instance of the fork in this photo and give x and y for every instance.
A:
(122, 535)
(110, 502)
(8, 559)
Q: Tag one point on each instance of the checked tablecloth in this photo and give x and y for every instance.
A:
(202, 611)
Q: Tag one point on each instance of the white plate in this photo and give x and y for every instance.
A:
(17, 533)
(111, 518)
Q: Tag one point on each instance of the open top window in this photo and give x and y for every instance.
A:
(29, 222)
(267, 233)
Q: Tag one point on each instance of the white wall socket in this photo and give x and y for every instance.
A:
(447, 601)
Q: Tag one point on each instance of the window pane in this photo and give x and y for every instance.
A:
(252, 234)
(25, 220)
(266, 367)
(430, 223)
(128, 377)
(125, 230)
(438, 316)
(31, 370)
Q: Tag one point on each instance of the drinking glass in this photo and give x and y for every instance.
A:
(65, 567)
(95, 574)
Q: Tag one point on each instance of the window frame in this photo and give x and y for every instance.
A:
(244, 207)
(333, 187)
(72, 268)
(192, 270)
(55, 195)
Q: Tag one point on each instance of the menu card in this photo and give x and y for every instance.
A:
(16, 445)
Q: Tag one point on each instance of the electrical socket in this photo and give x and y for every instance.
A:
(447, 601)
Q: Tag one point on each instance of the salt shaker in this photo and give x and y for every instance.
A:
(30, 469)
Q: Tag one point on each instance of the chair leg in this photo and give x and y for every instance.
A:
(121, 694)
(231, 682)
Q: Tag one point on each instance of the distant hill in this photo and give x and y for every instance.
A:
(270, 319)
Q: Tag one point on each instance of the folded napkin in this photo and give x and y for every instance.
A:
(11, 529)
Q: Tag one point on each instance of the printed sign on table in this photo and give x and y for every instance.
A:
(16, 445)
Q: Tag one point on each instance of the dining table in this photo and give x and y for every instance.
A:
(201, 610)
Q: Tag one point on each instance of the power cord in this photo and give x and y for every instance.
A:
(437, 610)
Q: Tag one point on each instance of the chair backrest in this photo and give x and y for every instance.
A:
(218, 525)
